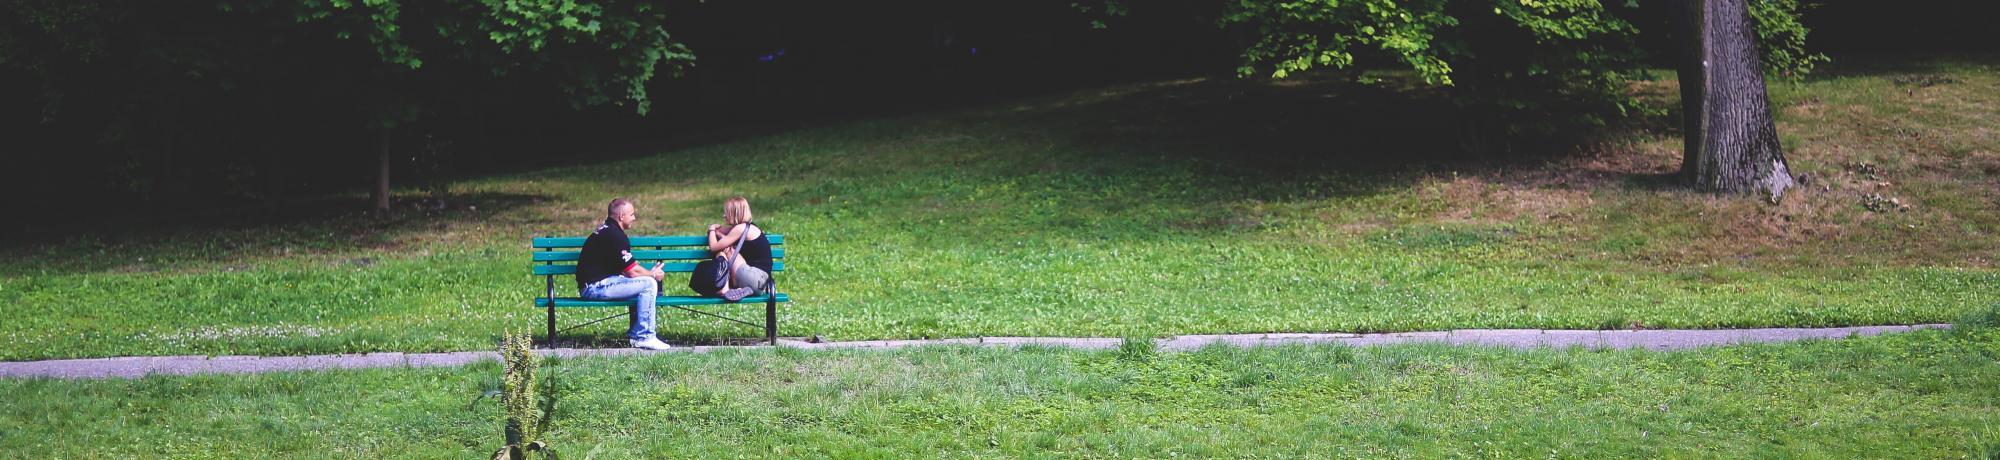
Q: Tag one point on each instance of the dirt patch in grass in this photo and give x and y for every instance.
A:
(1895, 170)
(1806, 107)
(1500, 198)
(1985, 162)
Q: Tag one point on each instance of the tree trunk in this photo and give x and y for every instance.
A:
(382, 174)
(169, 185)
(267, 141)
(1731, 141)
(274, 174)
(170, 189)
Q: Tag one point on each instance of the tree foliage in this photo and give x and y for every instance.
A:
(1781, 38)
(1427, 36)
(600, 52)
(1523, 68)
(1300, 35)
(172, 91)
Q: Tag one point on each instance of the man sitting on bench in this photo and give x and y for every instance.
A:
(605, 271)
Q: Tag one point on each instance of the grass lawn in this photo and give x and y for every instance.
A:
(1175, 207)
(1925, 394)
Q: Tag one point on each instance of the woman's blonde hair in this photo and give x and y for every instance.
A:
(736, 210)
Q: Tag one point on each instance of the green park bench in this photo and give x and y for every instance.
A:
(556, 257)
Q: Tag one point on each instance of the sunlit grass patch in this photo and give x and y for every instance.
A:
(1926, 394)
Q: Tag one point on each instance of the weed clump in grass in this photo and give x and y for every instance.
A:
(1138, 348)
(1979, 319)
(523, 416)
(1877, 202)
(1616, 322)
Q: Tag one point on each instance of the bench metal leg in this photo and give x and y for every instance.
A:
(551, 293)
(771, 318)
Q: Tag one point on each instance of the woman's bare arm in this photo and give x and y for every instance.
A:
(718, 241)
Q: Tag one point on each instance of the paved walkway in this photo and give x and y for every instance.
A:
(140, 366)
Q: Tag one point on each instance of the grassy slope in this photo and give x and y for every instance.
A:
(1174, 207)
(1926, 394)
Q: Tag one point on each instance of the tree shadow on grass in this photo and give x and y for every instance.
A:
(1253, 143)
(1281, 131)
(230, 239)
(1901, 65)
(1656, 182)
(1164, 159)
(1286, 131)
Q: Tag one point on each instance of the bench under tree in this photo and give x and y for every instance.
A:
(555, 257)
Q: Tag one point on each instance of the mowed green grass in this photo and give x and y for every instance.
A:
(1176, 207)
(1925, 394)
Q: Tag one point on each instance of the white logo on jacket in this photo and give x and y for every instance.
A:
(626, 255)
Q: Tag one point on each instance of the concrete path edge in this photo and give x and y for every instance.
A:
(1675, 339)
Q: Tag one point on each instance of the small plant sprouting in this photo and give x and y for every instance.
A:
(1138, 348)
(522, 414)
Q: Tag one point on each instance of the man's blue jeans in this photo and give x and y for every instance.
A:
(641, 291)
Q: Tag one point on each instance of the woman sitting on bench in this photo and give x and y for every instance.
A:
(750, 261)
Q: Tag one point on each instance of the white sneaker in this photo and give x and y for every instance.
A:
(651, 343)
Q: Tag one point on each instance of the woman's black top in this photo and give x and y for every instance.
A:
(757, 252)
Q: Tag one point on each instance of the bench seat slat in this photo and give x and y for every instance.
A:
(562, 242)
(644, 254)
(572, 302)
(671, 267)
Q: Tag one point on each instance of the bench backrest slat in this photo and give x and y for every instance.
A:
(558, 255)
(644, 254)
(576, 242)
(671, 267)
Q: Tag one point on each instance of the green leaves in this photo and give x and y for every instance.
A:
(600, 52)
(1304, 34)
(1782, 39)
(1530, 66)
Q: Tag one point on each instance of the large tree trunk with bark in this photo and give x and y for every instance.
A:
(1732, 144)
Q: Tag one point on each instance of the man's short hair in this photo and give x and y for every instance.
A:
(616, 203)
